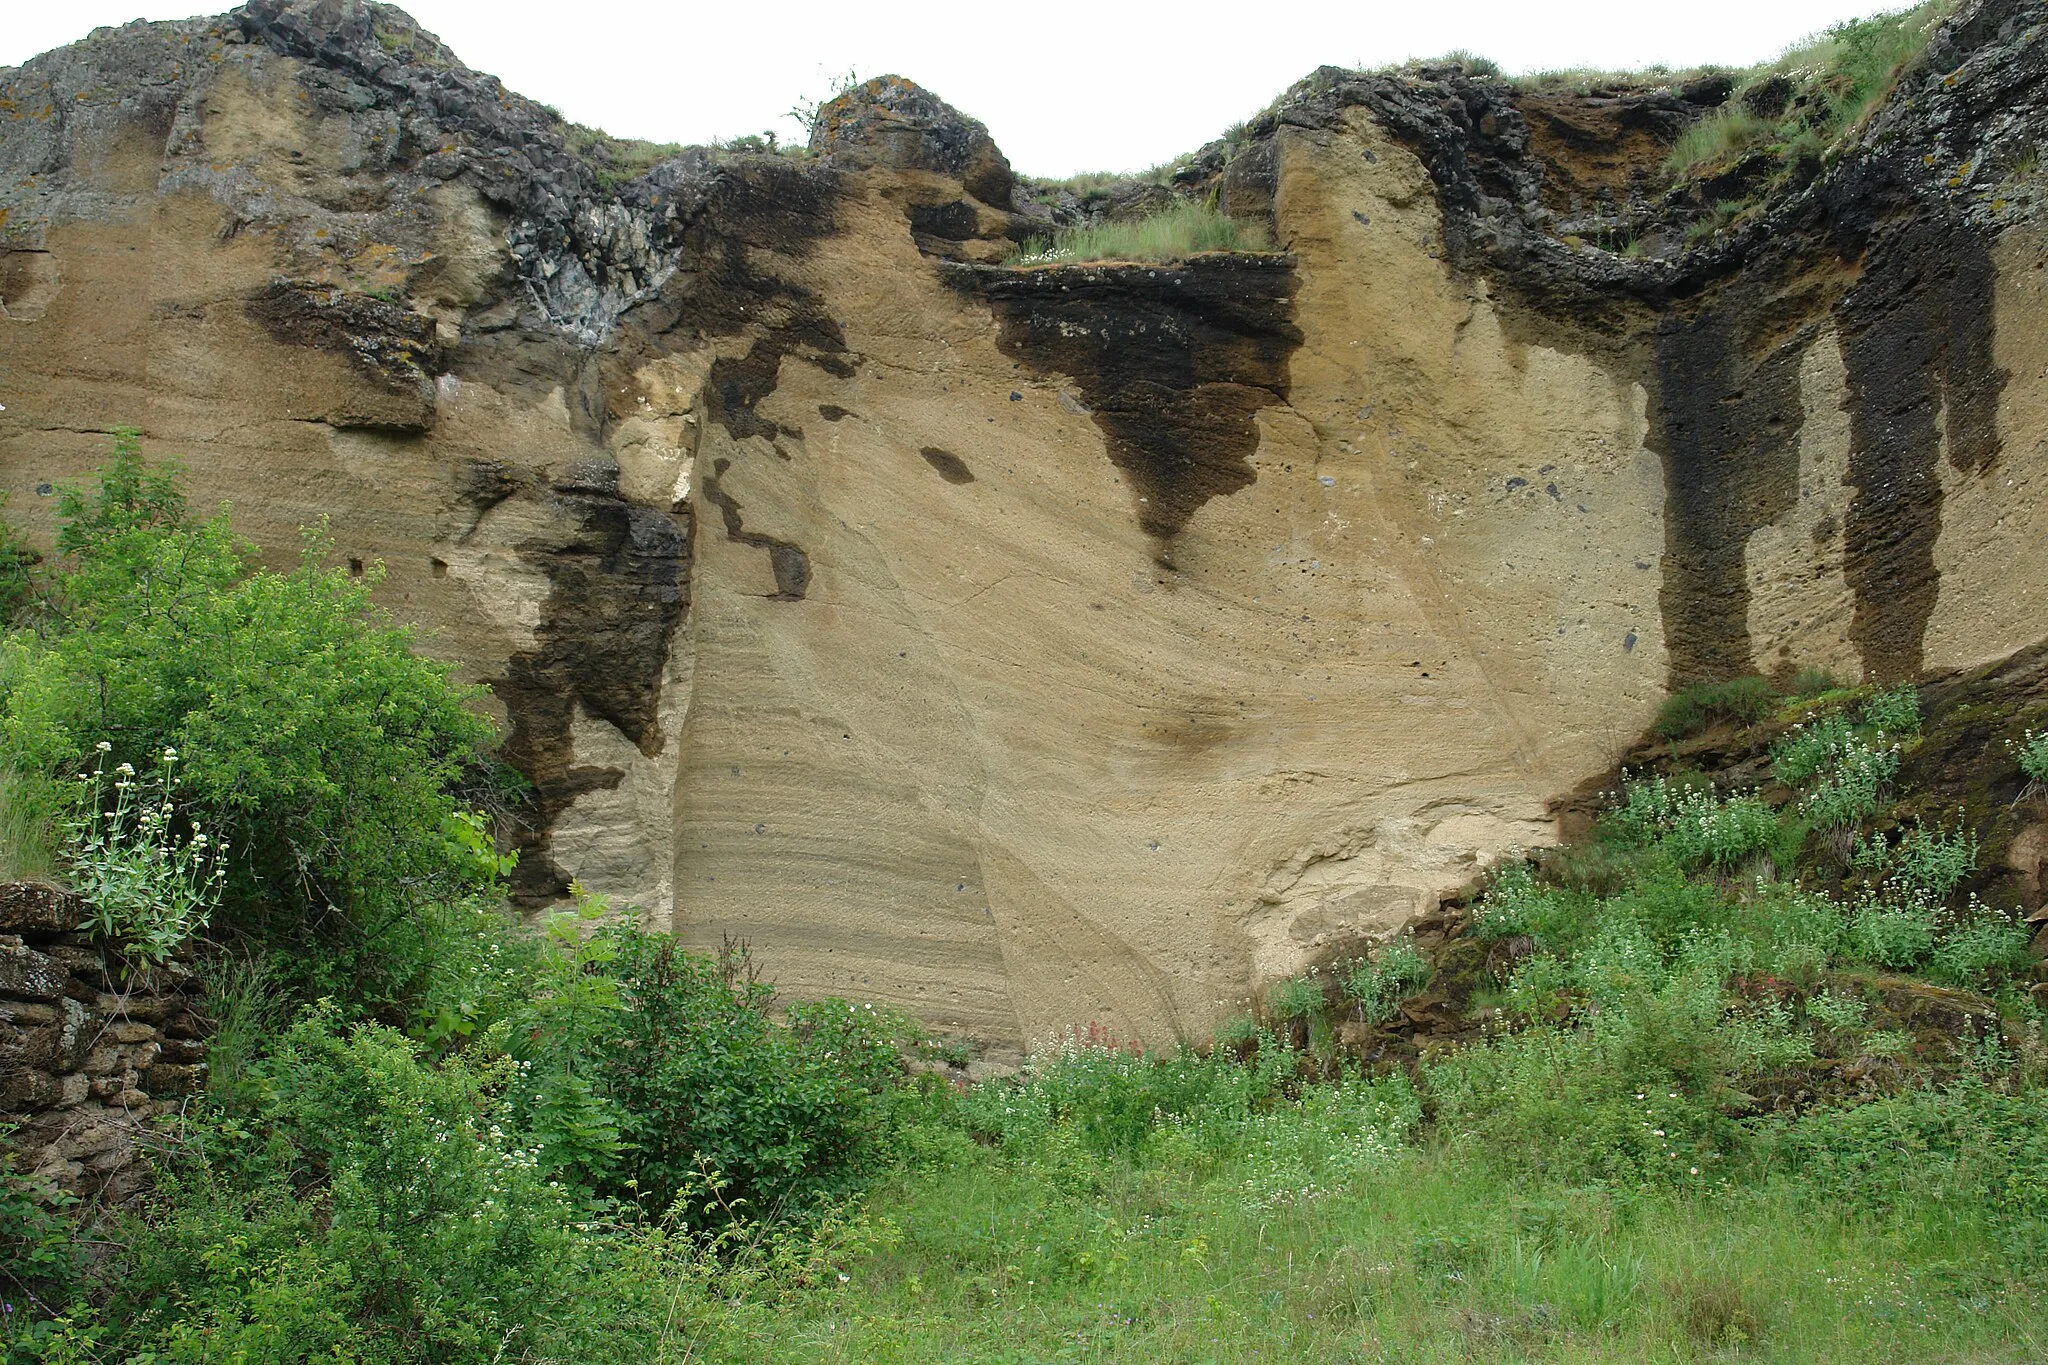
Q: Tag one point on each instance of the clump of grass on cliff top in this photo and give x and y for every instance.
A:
(1186, 229)
(1800, 104)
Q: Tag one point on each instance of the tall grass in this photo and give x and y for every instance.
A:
(30, 802)
(1836, 78)
(1173, 234)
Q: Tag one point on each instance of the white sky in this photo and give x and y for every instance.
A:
(1063, 88)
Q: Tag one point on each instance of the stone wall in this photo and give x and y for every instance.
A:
(92, 1047)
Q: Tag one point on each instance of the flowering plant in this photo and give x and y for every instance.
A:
(146, 884)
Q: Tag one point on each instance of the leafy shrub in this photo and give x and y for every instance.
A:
(1112, 1099)
(1184, 229)
(1836, 1011)
(1580, 1104)
(1897, 935)
(1925, 865)
(17, 562)
(147, 884)
(39, 1258)
(2030, 751)
(321, 753)
(1852, 788)
(1295, 998)
(1724, 834)
(1380, 983)
(1978, 944)
(369, 1207)
(1739, 701)
(1514, 903)
(1647, 811)
(1810, 747)
(700, 1079)
(1970, 1145)
(1894, 711)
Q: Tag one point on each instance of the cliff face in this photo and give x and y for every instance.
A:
(1031, 647)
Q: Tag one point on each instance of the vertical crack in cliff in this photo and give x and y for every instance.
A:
(1173, 363)
(1917, 341)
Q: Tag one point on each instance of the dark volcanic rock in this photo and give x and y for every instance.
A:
(889, 121)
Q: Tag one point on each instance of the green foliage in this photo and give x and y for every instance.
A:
(2030, 751)
(1738, 701)
(1113, 1098)
(1691, 827)
(701, 1080)
(1979, 945)
(1185, 229)
(40, 1259)
(1810, 747)
(1925, 865)
(1812, 682)
(1894, 711)
(368, 1206)
(1845, 775)
(149, 883)
(1381, 982)
(1974, 1146)
(1472, 63)
(18, 560)
(1830, 84)
(1295, 998)
(1891, 934)
(320, 753)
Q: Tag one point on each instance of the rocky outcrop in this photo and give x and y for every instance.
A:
(1031, 646)
(93, 1048)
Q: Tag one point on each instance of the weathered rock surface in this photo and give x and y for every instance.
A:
(1031, 647)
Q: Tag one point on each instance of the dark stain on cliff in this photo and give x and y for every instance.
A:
(951, 467)
(1172, 361)
(390, 345)
(618, 590)
(1917, 341)
(792, 567)
(1727, 425)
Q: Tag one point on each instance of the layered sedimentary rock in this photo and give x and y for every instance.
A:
(1036, 646)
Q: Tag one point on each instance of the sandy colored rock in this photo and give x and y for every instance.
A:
(1030, 649)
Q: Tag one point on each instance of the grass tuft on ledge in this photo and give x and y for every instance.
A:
(1173, 234)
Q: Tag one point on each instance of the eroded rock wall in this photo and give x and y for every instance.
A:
(1037, 646)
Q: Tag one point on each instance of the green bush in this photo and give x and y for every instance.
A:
(1382, 981)
(18, 560)
(1894, 711)
(1835, 79)
(148, 882)
(1811, 682)
(2030, 751)
(369, 1206)
(325, 757)
(1977, 945)
(1896, 935)
(1295, 998)
(1970, 1145)
(696, 1079)
(1739, 701)
(1853, 789)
